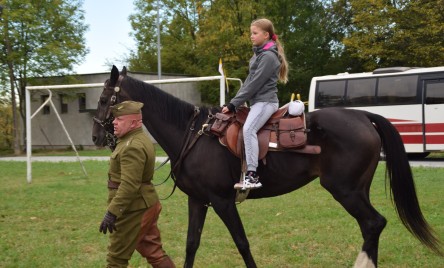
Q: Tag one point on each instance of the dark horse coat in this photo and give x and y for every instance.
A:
(351, 142)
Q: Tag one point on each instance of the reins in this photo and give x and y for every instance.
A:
(187, 145)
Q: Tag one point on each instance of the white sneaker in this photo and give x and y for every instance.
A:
(249, 182)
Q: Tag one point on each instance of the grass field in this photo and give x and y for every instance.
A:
(106, 152)
(54, 221)
(70, 152)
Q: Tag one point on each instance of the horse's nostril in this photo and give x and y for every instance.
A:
(94, 138)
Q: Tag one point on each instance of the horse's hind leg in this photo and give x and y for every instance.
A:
(197, 212)
(371, 223)
(227, 211)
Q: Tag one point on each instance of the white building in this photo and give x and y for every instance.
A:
(77, 107)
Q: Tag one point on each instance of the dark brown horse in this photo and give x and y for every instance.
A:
(351, 143)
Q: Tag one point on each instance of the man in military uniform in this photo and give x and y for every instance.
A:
(133, 204)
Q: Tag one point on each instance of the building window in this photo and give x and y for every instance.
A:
(46, 109)
(82, 102)
(63, 103)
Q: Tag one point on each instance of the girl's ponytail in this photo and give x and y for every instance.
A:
(283, 71)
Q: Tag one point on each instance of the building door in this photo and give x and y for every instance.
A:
(433, 105)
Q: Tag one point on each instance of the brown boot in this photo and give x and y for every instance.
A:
(165, 263)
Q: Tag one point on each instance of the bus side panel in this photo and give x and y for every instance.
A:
(434, 114)
(407, 119)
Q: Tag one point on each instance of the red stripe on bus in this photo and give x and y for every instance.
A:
(417, 127)
(412, 139)
(409, 127)
(435, 139)
(399, 120)
(418, 139)
(436, 127)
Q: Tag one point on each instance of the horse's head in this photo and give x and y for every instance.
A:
(113, 93)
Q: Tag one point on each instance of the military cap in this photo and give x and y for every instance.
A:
(127, 107)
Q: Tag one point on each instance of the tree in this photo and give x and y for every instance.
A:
(143, 23)
(6, 135)
(396, 33)
(195, 34)
(419, 37)
(304, 29)
(39, 38)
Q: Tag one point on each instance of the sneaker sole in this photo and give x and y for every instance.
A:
(241, 186)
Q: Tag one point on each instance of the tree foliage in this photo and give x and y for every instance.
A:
(396, 33)
(6, 135)
(39, 38)
(195, 34)
(319, 36)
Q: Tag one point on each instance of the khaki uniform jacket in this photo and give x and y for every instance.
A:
(132, 165)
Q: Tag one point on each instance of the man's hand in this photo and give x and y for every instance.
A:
(108, 223)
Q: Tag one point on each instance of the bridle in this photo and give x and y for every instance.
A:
(107, 123)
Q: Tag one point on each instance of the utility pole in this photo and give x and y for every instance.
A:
(159, 64)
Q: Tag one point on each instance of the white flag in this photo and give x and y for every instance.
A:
(221, 69)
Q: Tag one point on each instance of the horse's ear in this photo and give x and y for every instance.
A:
(123, 72)
(114, 75)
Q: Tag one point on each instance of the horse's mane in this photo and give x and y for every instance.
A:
(161, 103)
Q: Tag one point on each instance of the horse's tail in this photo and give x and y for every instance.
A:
(401, 183)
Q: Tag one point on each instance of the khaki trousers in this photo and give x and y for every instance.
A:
(136, 230)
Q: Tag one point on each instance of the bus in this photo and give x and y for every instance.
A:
(412, 99)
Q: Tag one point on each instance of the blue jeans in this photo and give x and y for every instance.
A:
(259, 114)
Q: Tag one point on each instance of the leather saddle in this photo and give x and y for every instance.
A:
(281, 132)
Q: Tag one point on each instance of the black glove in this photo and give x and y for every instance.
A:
(108, 223)
(231, 107)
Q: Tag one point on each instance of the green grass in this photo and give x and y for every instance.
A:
(70, 152)
(53, 222)
(436, 155)
(106, 152)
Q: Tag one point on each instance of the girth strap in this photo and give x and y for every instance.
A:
(186, 146)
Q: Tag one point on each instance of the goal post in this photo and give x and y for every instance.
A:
(29, 116)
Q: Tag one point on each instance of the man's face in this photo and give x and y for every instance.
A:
(123, 124)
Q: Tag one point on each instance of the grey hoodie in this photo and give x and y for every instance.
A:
(260, 85)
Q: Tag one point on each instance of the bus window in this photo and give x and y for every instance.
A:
(361, 92)
(330, 93)
(435, 93)
(397, 90)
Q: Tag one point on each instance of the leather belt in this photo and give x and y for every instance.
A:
(115, 185)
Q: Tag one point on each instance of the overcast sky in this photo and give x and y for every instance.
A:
(108, 35)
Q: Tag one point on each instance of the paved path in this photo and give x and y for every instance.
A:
(65, 158)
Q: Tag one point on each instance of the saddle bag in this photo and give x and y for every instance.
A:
(291, 132)
(220, 123)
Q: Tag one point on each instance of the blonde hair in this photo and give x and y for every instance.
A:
(267, 26)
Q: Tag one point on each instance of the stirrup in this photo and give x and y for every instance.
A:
(247, 184)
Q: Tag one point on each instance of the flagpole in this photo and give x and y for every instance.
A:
(222, 84)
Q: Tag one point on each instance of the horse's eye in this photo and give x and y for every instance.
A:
(102, 101)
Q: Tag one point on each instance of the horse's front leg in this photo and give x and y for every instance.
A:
(197, 211)
(226, 209)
